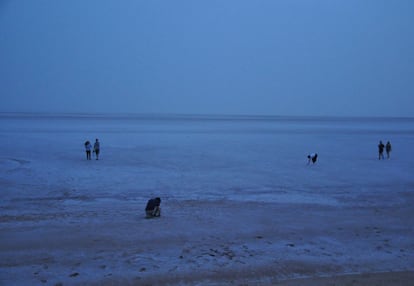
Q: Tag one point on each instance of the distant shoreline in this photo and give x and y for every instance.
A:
(201, 117)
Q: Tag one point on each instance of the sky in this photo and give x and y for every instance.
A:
(270, 57)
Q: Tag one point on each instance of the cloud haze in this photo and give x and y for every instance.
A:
(215, 57)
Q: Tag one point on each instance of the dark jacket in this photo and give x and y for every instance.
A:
(152, 203)
(380, 147)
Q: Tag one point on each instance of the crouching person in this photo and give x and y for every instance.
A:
(312, 157)
(153, 208)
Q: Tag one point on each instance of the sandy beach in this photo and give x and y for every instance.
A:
(233, 212)
(212, 243)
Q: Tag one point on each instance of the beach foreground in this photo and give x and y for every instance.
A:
(209, 243)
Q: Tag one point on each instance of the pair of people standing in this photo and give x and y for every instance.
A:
(388, 149)
(96, 149)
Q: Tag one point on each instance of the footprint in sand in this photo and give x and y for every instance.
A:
(74, 274)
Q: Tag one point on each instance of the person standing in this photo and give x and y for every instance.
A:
(96, 148)
(388, 149)
(380, 150)
(88, 148)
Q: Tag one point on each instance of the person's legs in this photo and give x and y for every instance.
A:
(157, 212)
(148, 214)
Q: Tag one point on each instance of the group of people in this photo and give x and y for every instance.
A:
(388, 149)
(314, 156)
(153, 208)
(88, 148)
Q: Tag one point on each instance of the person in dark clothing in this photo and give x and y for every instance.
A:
(380, 150)
(388, 149)
(312, 157)
(96, 148)
(153, 208)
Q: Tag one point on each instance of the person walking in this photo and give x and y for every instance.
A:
(380, 150)
(88, 148)
(96, 148)
(388, 149)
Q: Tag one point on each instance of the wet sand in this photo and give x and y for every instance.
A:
(378, 279)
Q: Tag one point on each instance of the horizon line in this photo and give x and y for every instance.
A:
(165, 115)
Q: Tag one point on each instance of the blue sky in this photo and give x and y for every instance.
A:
(297, 57)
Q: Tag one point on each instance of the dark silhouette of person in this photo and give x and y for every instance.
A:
(96, 148)
(380, 150)
(388, 149)
(88, 148)
(153, 208)
(312, 157)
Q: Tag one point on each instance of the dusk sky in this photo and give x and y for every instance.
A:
(292, 57)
